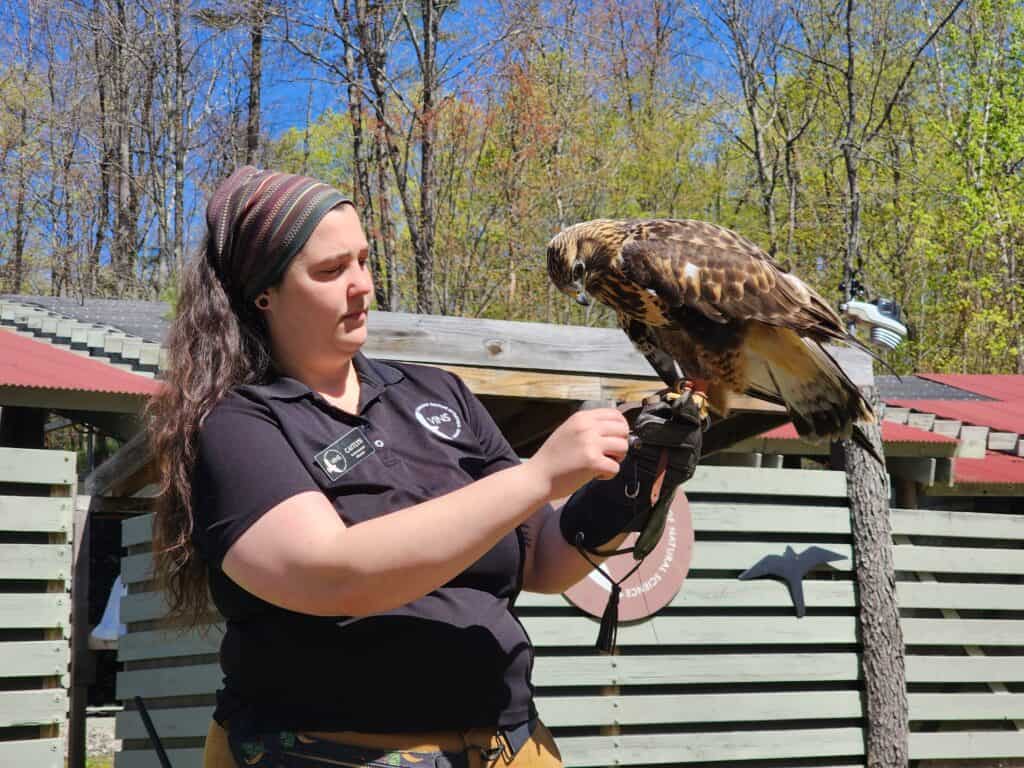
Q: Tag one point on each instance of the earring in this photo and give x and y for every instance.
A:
(263, 302)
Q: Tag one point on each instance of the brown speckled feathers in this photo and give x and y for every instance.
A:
(698, 295)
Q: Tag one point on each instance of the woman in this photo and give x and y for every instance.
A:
(362, 527)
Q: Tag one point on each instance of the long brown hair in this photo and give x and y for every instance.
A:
(213, 345)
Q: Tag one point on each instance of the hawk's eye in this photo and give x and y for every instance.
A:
(577, 271)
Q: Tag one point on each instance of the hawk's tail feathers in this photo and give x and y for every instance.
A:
(820, 398)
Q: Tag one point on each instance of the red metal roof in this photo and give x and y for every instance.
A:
(998, 386)
(994, 469)
(891, 433)
(28, 363)
(1004, 416)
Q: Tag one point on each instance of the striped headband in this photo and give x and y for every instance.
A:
(257, 221)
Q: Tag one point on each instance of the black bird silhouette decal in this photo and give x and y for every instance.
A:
(791, 568)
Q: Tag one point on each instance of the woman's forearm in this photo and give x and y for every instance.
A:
(556, 564)
(393, 559)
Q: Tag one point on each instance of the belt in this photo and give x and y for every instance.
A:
(491, 743)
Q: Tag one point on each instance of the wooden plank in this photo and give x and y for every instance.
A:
(176, 723)
(675, 669)
(897, 415)
(965, 669)
(170, 681)
(678, 748)
(146, 758)
(966, 744)
(51, 562)
(947, 427)
(35, 513)
(981, 597)
(766, 482)
(40, 707)
(24, 465)
(962, 632)
(973, 442)
(1002, 441)
(966, 706)
(732, 593)
(921, 421)
(159, 644)
(34, 658)
(136, 568)
(38, 753)
(556, 386)
(440, 340)
(137, 530)
(143, 606)
(740, 555)
(910, 557)
(742, 517)
(937, 522)
(566, 711)
(46, 610)
(708, 630)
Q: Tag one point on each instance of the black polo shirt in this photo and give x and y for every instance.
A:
(454, 659)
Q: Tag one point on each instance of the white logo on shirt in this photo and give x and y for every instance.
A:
(439, 419)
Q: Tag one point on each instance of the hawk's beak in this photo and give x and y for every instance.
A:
(582, 299)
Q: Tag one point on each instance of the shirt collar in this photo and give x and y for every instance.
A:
(374, 377)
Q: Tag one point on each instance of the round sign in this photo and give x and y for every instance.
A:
(655, 582)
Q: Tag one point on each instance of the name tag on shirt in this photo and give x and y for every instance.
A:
(344, 453)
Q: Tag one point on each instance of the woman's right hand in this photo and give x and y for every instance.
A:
(589, 444)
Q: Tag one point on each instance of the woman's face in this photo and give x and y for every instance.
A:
(318, 311)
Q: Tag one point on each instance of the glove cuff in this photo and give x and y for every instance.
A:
(602, 509)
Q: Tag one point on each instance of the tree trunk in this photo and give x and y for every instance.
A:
(883, 653)
(103, 209)
(386, 226)
(252, 130)
(18, 256)
(180, 134)
(428, 182)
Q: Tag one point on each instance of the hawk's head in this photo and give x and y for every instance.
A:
(579, 255)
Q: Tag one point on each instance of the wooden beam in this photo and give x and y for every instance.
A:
(543, 385)
(65, 399)
(440, 340)
(83, 661)
(124, 472)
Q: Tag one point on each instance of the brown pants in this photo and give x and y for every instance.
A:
(539, 752)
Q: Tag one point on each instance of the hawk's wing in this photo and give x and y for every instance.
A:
(724, 277)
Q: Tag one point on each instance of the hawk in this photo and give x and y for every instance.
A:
(712, 311)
